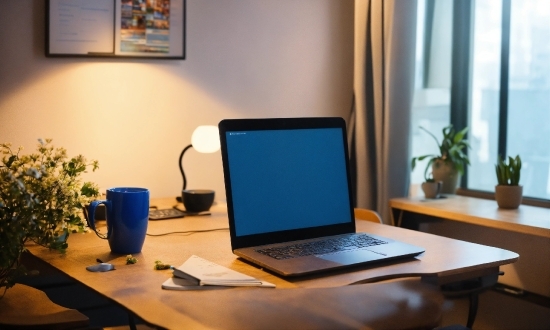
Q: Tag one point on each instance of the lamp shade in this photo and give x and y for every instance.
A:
(206, 139)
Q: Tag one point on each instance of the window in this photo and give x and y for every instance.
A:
(494, 76)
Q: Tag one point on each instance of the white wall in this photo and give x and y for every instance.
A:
(245, 58)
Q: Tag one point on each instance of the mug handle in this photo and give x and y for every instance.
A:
(91, 217)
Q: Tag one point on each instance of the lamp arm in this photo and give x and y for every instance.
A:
(181, 166)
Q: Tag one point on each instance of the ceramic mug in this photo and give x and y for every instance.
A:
(127, 215)
(432, 189)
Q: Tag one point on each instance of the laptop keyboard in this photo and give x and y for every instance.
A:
(329, 245)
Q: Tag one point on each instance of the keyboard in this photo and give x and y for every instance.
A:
(325, 246)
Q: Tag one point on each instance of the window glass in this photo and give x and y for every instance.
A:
(485, 89)
(529, 94)
(431, 103)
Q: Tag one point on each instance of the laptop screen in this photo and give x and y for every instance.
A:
(287, 179)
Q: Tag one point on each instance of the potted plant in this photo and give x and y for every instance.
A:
(508, 192)
(449, 164)
(41, 200)
(430, 187)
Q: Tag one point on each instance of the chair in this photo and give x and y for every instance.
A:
(24, 307)
(368, 215)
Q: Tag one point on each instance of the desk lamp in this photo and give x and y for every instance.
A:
(205, 139)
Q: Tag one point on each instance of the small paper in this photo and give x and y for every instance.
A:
(176, 283)
(203, 272)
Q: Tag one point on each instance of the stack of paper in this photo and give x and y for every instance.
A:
(198, 271)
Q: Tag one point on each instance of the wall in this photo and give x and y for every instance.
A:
(245, 58)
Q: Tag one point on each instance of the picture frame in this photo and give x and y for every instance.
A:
(148, 29)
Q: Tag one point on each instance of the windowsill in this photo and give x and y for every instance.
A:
(489, 195)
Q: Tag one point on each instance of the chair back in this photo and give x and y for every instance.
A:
(368, 215)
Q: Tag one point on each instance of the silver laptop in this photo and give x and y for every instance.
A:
(289, 197)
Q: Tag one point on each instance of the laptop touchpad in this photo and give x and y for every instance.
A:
(351, 257)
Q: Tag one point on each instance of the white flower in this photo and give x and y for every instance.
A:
(34, 173)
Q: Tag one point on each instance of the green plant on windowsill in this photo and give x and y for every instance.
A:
(508, 173)
(41, 200)
(451, 160)
(508, 192)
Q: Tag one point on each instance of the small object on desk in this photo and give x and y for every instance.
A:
(198, 271)
(102, 267)
(162, 214)
(189, 213)
(197, 213)
(131, 259)
(159, 265)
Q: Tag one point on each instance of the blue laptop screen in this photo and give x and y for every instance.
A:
(287, 179)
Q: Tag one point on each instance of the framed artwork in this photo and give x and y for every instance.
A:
(116, 28)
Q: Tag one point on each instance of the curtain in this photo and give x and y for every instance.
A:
(384, 58)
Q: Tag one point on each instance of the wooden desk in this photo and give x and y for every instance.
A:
(137, 287)
(525, 230)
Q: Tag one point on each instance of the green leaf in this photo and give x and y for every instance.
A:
(11, 160)
(452, 148)
(508, 170)
(460, 135)
(89, 190)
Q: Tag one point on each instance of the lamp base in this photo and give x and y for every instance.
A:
(197, 200)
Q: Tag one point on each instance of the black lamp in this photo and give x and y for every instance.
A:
(205, 139)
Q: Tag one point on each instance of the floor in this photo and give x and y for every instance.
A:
(498, 311)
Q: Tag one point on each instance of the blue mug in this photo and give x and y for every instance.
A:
(127, 215)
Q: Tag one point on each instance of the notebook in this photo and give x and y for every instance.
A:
(289, 197)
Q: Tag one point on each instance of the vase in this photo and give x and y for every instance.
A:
(431, 189)
(508, 197)
(447, 173)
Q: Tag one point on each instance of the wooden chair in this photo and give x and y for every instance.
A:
(24, 307)
(368, 215)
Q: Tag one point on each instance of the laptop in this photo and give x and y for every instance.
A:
(289, 197)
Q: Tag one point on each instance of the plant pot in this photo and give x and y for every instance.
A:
(447, 173)
(431, 189)
(508, 197)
